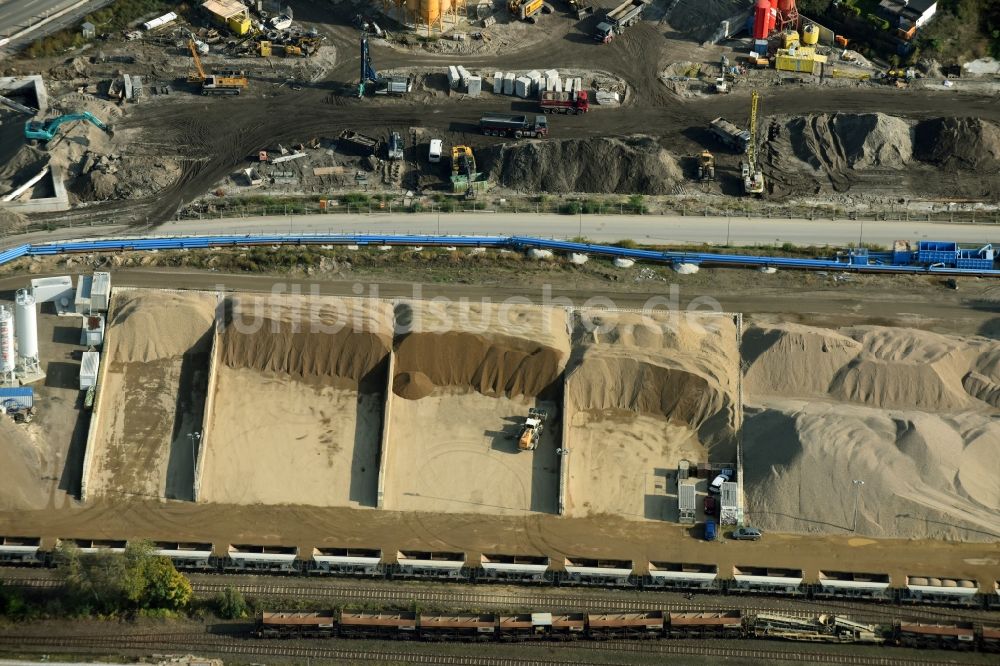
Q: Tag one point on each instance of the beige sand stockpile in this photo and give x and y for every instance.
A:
(643, 393)
(309, 338)
(496, 350)
(23, 471)
(153, 393)
(297, 414)
(909, 412)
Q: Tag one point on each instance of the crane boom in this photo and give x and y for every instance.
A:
(197, 60)
(754, 98)
(753, 179)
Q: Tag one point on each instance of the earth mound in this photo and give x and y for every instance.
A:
(603, 165)
(961, 143)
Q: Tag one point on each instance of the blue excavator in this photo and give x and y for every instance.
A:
(38, 131)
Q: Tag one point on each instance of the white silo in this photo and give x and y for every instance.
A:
(7, 360)
(26, 331)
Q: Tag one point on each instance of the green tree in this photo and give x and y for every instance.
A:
(231, 605)
(165, 586)
(92, 578)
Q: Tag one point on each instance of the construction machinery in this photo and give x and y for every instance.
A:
(497, 124)
(619, 18)
(706, 166)
(753, 179)
(37, 131)
(463, 169)
(225, 83)
(394, 149)
(527, 10)
(368, 73)
(531, 431)
(19, 413)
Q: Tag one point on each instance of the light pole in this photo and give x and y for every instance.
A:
(857, 493)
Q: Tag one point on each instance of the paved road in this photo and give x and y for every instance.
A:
(18, 15)
(648, 229)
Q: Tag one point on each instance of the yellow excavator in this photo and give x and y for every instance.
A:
(227, 83)
(531, 431)
(526, 10)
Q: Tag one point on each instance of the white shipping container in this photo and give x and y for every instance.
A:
(84, 286)
(686, 495)
(88, 370)
(160, 20)
(464, 76)
(453, 77)
(100, 292)
(497, 83)
(475, 86)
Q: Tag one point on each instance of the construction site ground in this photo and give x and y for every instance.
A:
(169, 150)
(456, 452)
(908, 302)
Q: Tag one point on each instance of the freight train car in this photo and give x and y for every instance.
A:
(652, 624)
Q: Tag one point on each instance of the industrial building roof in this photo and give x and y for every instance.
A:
(224, 8)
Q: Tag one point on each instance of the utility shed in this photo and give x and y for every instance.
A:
(84, 287)
(686, 504)
(88, 370)
(100, 292)
(232, 13)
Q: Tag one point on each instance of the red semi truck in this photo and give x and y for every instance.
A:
(565, 102)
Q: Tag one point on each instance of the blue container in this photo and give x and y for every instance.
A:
(20, 397)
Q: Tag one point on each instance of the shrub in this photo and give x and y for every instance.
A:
(230, 604)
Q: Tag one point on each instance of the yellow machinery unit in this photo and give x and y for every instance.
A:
(525, 9)
(231, 13)
(799, 59)
(228, 83)
(459, 155)
(810, 35)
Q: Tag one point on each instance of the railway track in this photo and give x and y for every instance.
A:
(483, 598)
(205, 645)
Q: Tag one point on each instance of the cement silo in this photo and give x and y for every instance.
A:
(26, 330)
(7, 359)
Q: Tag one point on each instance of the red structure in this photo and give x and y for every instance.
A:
(787, 15)
(765, 17)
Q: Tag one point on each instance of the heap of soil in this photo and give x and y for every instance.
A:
(148, 326)
(604, 164)
(926, 475)
(960, 143)
(699, 19)
(839, 141)
(494, 365)
(877, 366)
(620, 380)
(412, 385)
(22, 487)
(104, 177)
(321, 338)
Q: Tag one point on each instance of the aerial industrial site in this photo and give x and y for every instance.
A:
(524, 323)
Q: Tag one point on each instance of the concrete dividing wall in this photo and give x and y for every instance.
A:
(209, 397)
(383, 460)
(738, 319)
(567, 419)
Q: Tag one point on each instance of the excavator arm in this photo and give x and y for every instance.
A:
(197, 60)
(35, 130)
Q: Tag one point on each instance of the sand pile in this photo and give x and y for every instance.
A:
(926, 475)
(22, 487)
(156, 325)
(834, 142)
(307, 337)
(626, 380)
(961, 143)
(682, 370)
(877, 366)
(607, 165)
(115, 176)
(497, 350)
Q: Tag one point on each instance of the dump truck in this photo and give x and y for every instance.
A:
(531, 431)
(495, 124)
(731, 135)
(564, 102)
(619, 18)
(357, 143)
(528, 10)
